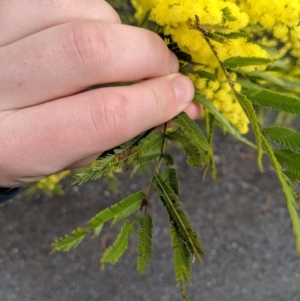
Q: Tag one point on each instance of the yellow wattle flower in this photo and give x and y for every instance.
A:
(279, 19)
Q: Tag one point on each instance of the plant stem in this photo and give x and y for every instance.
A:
(159, 160)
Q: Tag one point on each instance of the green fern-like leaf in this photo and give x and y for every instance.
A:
(288, 190)
(144, 243)
(178, 217)
(207, 75)
(129, 153)
(118, 211)
(266, 79)
(215, 36)
(274, 100)
(69, 242)
(210, 164)
(284, 136)
(237, 35)
(248, 108)
(289, 161)
(182, 258)
(195, 157)
(219, 118)
(192, 130)
(107, 158)
(120, 245)
(169, 175)
(169, 159)
(227, 15)
(147, 158)
(209, 106)
(239, 61)
(269, 78)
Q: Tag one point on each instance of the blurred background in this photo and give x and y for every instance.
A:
(241, 218)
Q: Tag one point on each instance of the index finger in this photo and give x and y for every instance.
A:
(21, 18)
(66, 59)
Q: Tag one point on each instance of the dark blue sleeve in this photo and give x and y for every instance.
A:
(7, 193)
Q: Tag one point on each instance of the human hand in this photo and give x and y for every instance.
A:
(53, 49)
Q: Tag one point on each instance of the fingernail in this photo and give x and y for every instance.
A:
(174, 63)
(184, 88)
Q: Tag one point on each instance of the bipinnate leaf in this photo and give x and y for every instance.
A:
(266, 79)
(237, 35)
(248, 108)
(69, 242)
(182, 258)
(215, 36)
(288, 190)
(128, 153)
(207, 75)
(120, 245)
(289, 161)
(147, 158)
(178, 217)
(195, 157)
(169, 176)
(192, 130)
(239, 61)
(144, 243)
(274, 100)
(168, 159)
(118, 211)
(284, 136)
(227, 15)
(220, 119)
(224, 123)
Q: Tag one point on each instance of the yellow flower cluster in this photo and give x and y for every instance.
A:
(279, 18)
(50, 185)
(220, 94)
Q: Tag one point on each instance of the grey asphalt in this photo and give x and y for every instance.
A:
(241, 218)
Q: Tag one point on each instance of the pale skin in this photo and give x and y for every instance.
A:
(51, 51)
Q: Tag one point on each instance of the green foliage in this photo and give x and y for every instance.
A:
(246, 104)
(118, 211)
(169, 159)
(237, 35)
(205, 74)
(144, 243)
(284, 136)
(195, 157)
(120, 245)
(132, 152)
(192, 131)
(288, 190)
(290, 162)
(169, 176)
(274, 100)
(182, 258)
(222, 122)
(227, 14)
(179, 218)
(70, 242)
(239, 61)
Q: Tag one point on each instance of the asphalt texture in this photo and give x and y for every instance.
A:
(241, 218)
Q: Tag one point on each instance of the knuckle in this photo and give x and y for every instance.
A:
(112, 15)
(108, 116)
(87, 45)
(159, 96)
